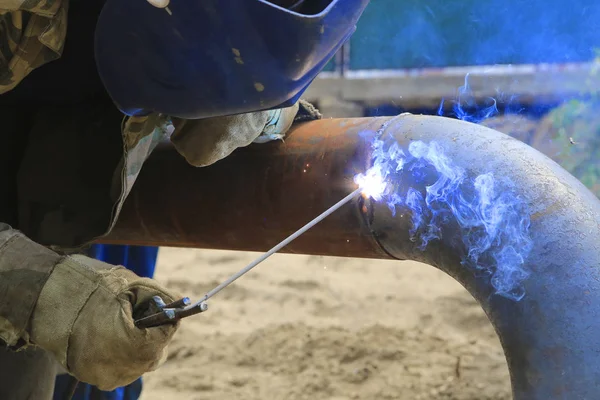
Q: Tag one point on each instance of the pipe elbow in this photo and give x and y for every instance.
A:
(519, 232)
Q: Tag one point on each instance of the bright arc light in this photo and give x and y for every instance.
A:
(372, 183)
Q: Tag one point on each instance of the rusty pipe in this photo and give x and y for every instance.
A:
(256, 197)
(550, 337)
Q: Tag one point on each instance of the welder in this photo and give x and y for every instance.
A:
(88, 89)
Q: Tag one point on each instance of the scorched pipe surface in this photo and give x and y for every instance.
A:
(519, 232)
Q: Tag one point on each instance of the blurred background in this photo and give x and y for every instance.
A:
(303, 327)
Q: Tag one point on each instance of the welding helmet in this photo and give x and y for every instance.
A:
(203, 58)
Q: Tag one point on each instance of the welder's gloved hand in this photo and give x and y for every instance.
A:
(80, 310)
(205, 141)
(84, 316)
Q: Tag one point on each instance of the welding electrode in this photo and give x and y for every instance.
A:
(169, 314)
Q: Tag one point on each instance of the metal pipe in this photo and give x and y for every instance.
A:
(255, 197)
(249, 202)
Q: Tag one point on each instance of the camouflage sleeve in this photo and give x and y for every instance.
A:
(140, 136)
(21, 20)
(40, 7)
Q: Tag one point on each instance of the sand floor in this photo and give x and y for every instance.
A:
(302, 327)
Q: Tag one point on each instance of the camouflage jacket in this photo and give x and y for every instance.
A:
(32, 34)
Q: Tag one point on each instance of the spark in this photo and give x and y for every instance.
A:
(372, 183)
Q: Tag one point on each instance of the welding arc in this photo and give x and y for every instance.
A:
(275, 249)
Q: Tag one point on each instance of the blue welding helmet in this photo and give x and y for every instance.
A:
(205, 58)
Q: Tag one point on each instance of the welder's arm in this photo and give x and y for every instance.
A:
(205, 141)
(80, 310)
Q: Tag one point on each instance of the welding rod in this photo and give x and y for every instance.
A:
(280, 246)
(173, 312)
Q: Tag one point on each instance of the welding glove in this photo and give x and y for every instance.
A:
(80, 310)
(205, 141)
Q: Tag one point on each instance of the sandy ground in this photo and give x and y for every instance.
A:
(300, 327)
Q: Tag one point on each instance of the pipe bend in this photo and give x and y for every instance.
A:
(550, 335)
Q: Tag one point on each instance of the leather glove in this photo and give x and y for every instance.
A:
(80, 310)
(205, 141)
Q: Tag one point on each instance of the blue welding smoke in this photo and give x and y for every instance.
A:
(466, 108)
(492, 222)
